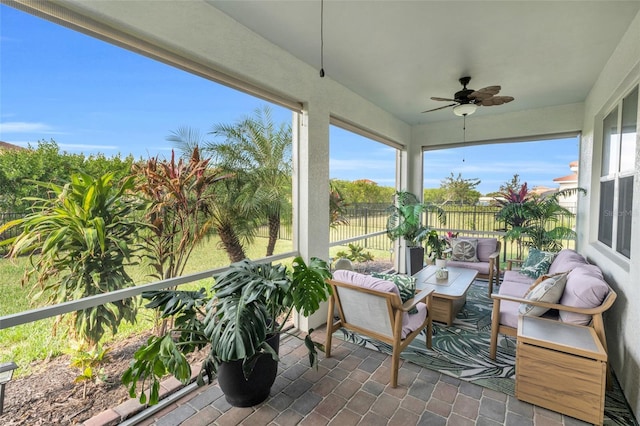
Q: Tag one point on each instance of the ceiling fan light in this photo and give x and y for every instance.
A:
(464, 109)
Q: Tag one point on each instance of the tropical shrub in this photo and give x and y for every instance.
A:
(337, 206)
(179, 196)
(79, 240)
(531, 220)
(356, 253)
(88, 361)
(20, 168)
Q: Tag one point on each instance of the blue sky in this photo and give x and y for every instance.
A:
(92, 97)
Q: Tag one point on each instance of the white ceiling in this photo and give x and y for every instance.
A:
(398, 54)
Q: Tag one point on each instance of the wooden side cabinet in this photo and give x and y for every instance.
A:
(561, 367)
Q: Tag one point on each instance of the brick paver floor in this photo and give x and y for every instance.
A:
(352, 388)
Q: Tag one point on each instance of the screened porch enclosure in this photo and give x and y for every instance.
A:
(580, 76)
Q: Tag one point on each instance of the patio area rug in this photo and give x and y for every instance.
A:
(462, 351)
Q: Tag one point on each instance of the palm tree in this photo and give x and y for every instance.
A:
(527, 215)
(541, 227)
(259, 153)
(232, 215)
(235, 225)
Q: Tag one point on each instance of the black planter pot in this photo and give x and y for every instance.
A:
(241, 392)
(415, 259)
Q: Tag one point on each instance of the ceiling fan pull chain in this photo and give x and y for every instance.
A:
(321, 38)
(464, 134)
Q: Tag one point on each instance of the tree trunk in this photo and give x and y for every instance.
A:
(274, 230)
(231, 243)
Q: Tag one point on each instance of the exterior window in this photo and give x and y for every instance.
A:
(620, 129)
(605, 231)
(624, 216)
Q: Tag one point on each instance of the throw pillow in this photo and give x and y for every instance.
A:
(537, 263)
(546, 289)
(464, 250)
(406, 285)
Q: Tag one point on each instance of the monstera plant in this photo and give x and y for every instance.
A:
(240, 325)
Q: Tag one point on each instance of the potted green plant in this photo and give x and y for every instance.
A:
(438, 247)
(241, 325)
(405, 222)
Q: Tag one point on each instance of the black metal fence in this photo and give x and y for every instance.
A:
(476, 221)
(362, 219)
(365, 219)
(10, 233)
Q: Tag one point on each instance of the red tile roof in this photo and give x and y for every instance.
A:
(569, 178)
(7, 145)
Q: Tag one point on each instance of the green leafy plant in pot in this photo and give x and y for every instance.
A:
(405, 222)
(438, 248)
(241, 324)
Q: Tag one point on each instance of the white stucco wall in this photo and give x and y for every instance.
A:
(521, 125)
(622, 322)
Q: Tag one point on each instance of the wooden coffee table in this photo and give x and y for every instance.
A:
(448, 295)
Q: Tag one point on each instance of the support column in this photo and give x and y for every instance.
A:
(414, 169)
(409, 177)
(311, 190)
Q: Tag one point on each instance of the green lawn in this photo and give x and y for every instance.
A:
(36, 341)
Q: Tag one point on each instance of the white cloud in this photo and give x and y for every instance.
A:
(24, 127)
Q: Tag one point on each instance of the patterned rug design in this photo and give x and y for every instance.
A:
(462, 351)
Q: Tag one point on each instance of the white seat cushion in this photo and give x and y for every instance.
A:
(409, 322)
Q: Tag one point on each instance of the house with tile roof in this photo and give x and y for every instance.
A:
(6, 146)
(568, 182)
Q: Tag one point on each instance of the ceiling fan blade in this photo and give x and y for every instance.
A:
(490, 89)
(433, 98)
(485, 92)
(479, 95)
(496, 100)
(489, 101)
(443, 107)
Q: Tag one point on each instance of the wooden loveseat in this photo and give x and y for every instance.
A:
(585, 297)
(488, 260)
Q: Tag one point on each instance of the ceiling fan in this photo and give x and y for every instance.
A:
(466, 101)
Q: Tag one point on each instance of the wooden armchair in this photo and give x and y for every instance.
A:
(372, 307)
